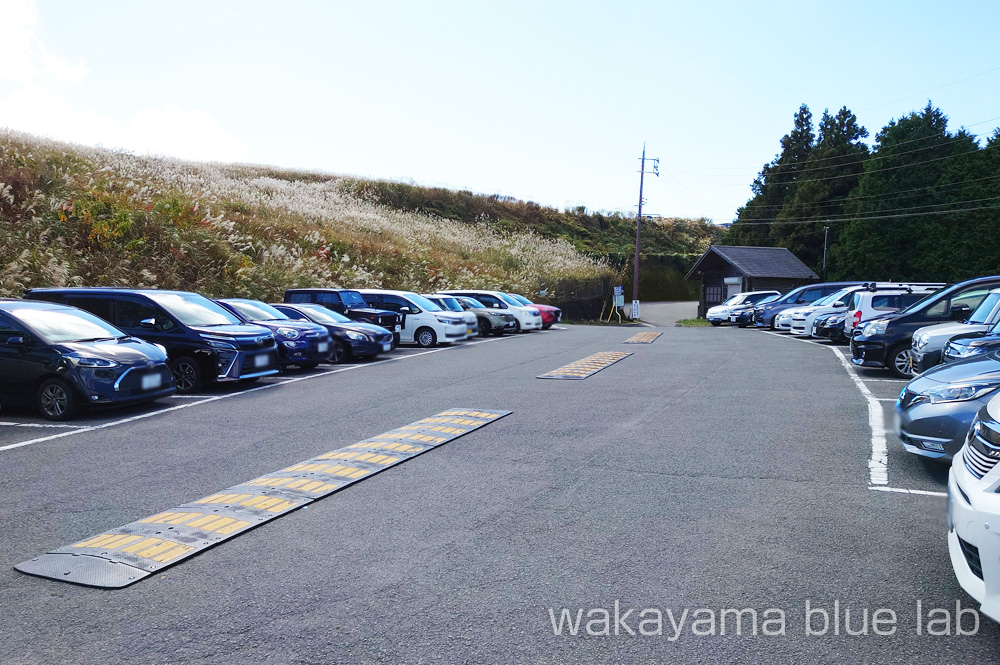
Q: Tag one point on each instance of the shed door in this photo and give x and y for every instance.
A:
(734, 285)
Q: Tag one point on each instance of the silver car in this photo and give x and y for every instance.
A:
(929, 341)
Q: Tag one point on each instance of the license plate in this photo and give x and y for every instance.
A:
(815, 329)
(152, 381)
(732, 318)
(387, 346)
(261, 360)
(398, 328)
(323, 347)
(468, 331)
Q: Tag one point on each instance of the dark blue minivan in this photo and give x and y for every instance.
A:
(62, 359)
(205, 342)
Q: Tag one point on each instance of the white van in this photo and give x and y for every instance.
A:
(424, 323)
(526, 317)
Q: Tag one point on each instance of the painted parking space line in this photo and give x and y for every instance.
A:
(905, 491)
(121, 556)
(49, 425)
(215, 398)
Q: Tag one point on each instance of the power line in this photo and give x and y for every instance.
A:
(867, 218)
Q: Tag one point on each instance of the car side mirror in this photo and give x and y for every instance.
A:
(148, 324)
(16, 340)
(960, 312)
(405, 310)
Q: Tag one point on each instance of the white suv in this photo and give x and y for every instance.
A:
(424, 323)
(526, 317)
(865, 305)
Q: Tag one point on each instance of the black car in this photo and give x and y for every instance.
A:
(62, 359)
(351, 304)
(829, 326)
(204, 341)
(764, 314)
(301, 343)
(885, 341)
(968, 345)
(351, 339)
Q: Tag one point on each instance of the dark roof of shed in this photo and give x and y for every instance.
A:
(759, 262)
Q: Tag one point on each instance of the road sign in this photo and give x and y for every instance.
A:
(635, 309)
(619, 291)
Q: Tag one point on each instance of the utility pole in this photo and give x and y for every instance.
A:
(638, 228)
(826, 235)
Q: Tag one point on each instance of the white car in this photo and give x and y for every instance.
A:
(525, 317)
(424, 323)
(974, 511)
(720, 313)
(868, 304)
(449, 304)
(929, 341)
(783, 320)
(801, 318)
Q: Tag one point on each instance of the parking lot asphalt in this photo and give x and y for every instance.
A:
(713, 469)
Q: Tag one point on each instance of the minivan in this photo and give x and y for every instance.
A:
(424, 323)
(204, 342)
(349, 303)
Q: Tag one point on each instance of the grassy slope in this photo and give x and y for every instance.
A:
(72, 215)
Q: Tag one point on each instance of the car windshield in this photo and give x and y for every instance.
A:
(423, 303)
(472, 302)
(66, 325)
(768, 299)
(932, 296)
(520, 299)
(734, 300)
(254, 310)
(449, 303)
(192, 309)
(983, 313)
(321, 314)
(832, 298)
(510, 301)
(352, 299)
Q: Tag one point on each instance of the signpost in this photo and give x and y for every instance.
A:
(635, 310)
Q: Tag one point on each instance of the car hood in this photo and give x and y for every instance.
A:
(126, 351)
(234, 330)
(301, 326)
(370, 311)
(966, 337)
(945, 331)
(983, 368)
(545, 308)
(369, 328)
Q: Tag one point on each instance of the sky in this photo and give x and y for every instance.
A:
(545, 101)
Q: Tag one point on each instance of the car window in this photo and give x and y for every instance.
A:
(472, 302)
(300, 297)
(970, 297)
(423, 303)
(98, 306)
(390, 302)
(908, 299)
(883, 302)
(292, 313)
(489, 301)
(131, 313)
(8, 329)
(327, 298)
(323, 315)
(193, 309)
(66, 325)
(256, 311)
(984, 311)
(353, 299)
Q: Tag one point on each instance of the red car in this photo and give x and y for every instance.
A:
(549, 313)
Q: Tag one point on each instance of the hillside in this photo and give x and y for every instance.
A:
(72, 215)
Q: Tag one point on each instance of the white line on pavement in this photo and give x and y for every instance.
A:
(42, 425)
(114, 423)
(902, 491)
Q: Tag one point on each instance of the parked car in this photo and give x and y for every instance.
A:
(720, 313)
(829, 326)
(351, 339)
(492, 321)
(526, 317)
(550, 315)
(802, 317)
(424, 323)
(973, 506)
(929, 341)
(885, 341)
(743, 315)
(351, 304)
(802, 320)
(868, 304)
(204, 341)
(62, 359)
(971, 344)
(764, 314)
(934, 410)
(302, 343)
(451, 304)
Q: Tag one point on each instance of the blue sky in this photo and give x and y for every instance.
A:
(543, 101)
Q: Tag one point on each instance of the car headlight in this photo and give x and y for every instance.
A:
(81, 360)
(876, 327)
(222, 343)
(920, 341)
(835, 320)
(356, 336)
(445, 320)
(960, 392)
(289, 333)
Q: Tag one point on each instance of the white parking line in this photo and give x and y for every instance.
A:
(90, 428)
(902, 491)
(41, 425)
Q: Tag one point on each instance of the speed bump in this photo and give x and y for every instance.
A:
(581, 369)
(124, 555)
(643, 338)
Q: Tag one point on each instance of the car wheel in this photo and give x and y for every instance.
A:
(425, 338)
(308, 365)
(899, 361)
(57, 400)
(339, 352)
(716, 323)
(187, 374)
(517, 326)
(485, 329)
(546, 326)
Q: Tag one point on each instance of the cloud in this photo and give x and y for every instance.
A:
(37, 102)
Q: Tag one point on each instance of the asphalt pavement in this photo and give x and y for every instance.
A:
(714, 469)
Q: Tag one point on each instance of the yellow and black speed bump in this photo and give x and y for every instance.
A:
(643, 338)
(124, 555)
(581, 369)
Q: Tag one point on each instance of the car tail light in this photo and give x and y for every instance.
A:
(857, 318)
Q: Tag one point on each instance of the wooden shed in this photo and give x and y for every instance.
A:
(725, 271)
